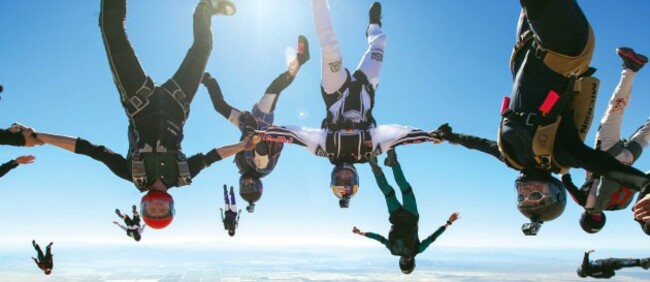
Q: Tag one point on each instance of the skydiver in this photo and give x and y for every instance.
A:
(157, 114)
(551, 56)
(6, 167)
(349, 133)
(598, 194)
(403, 239)
(44, 262)
(131, 225)
(231, 218)
(260, 162)
(605, 268)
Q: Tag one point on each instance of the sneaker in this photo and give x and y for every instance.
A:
(391, 159)
(645, 263)
(374, 14)
(134, 209)
(302, 52)
(631, 60)
(222, 7)
(117, 211)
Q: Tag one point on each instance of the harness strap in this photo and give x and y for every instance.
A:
(140, 100)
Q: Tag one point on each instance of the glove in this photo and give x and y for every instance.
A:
(376, 170)
(391, 159)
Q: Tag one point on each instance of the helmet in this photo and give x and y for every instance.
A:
(540, 196)
(592, 222)
(250, 188)
(581, 272)
(157, 209)
(406, 264)
(344, 183)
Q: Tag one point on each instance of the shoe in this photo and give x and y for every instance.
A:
(631, 60)
(134, 209)
(50, 244)
(374, 14)
(391, 159)
(34, 243)
(645, 263)
(302, 52)
(117, 211)
(222, 7)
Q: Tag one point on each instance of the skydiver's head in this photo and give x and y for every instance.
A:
(250, 188)
(406, 264)
(48, 271)
(231, 232)
(344, 183)
(592, 222)
(136, 236)
(157, 209)
(581, 272)
(540, 196)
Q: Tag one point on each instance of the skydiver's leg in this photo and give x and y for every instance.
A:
(408, 198)
(372, 61)
(642, 136)
(128, 74)
(225, 198)
(570, 151)
(618, 263)
(609, 131)
(389, 193)
(128, 221)
(333, 74)
(560, 24)
(48, 250)
(189, 74)
(218, 102)
(39, 252)
(233, 205)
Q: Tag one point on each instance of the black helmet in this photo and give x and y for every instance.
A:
(250, 188)
(344, 183)
(592, 223)
(540, 195)
(581, 272)
(406, 265)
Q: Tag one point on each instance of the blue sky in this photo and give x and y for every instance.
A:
(446, 61)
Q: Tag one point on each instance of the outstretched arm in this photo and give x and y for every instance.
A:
(200, 161)
(444, 132)
(120, 226)
(311, 138)
(14, 163)
(390, 136)
(425, 244)
(218, 102)
(115, 162)
(19, 135)
(371, 235)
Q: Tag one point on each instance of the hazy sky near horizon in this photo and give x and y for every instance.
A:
(446, 61)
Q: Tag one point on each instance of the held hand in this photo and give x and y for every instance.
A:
(441, 134)
(356, 230)
(31, 138)
(251, 141)
(642, 209)
(589, 251)
(25, 159)
(115, 222)
(453, 217)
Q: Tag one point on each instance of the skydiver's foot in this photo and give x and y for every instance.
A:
(34, 243)
(117, 211)
(391, 158)
(645, 263)
(302, 51)
(134, 209)
(631, 60)
(222, 7)
(50, 244)
(374, 15)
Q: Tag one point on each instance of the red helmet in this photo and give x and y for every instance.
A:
(157, 209)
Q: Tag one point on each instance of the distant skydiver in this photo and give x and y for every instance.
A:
(260, 162)
(605, 268)
(231, 218)
(157, 114)
(545, 121)
(44, 262)
(403, 239)
(598, 194)
(349, 133)
(6, 167)
(131, 225)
